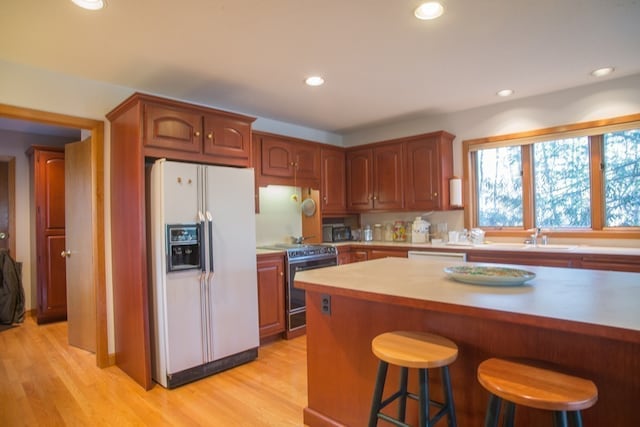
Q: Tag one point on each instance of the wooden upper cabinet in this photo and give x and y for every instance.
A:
(374, 178)
(333, 185)
(428, 166)
(172, 128)
(227, 137)
(180, 131)
(359, 182)
(287, 161)
(387, 177)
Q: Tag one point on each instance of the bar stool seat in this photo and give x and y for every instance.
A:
(536, 385)
(422, 351)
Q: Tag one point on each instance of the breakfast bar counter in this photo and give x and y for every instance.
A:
(585, 321)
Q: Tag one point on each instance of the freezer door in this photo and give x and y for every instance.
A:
(184, 326)
(178, 318)
(233, 291)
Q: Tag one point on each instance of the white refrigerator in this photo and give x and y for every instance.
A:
(203, 289)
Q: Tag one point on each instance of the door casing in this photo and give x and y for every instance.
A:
(98, 235)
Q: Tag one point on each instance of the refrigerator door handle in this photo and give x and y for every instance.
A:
(210, 219)
(203, 267)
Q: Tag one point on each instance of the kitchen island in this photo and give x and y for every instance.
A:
(585, 321)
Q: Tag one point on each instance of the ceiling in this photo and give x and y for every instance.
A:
(380, 63)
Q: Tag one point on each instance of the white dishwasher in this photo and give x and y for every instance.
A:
(438, 256)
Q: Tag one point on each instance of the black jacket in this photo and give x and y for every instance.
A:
(11, 291)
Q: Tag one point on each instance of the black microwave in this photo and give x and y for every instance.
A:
(336, 233)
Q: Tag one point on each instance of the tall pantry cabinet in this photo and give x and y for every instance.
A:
(47, 187)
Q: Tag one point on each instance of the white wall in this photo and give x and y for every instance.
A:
(15, 144)
(280, 217)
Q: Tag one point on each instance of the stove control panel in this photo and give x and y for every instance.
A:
(310, 251)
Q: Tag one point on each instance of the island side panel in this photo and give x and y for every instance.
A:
(341, 367)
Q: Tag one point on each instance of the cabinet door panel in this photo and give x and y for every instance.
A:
(387, 177)
(271, 296)
(307, 162)
(172, 128)
(225, 137)
(359, 170)
(276, 158)
(333, 186)
(54, 298)
(422, 175)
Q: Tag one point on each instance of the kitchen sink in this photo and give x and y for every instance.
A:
(520, 246)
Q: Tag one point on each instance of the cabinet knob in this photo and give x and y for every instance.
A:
(65, 254)
(210, 135)
(281, 273)
(196, 133)
(375, 198)
(435, 194)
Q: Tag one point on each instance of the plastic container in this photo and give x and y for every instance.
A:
(420, 231)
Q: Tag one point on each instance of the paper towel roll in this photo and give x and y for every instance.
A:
(455, 192)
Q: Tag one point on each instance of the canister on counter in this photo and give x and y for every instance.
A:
(399, 232)
(377, 232)
(368, 233)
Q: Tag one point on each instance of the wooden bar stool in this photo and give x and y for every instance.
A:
(536, 385)
(422, 351)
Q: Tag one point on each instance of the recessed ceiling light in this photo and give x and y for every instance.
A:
(602, 71)
(314, 81)
(505, 92)
(429, 10)
(90, 4)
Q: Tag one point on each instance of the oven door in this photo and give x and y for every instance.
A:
(296, 311)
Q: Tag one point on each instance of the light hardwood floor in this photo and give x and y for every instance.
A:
(46, 382)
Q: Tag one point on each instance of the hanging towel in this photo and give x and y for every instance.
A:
(11, 291)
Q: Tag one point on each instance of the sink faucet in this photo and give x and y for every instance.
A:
(537, 231)
(300, 240)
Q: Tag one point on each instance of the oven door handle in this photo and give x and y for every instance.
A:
(297, 268)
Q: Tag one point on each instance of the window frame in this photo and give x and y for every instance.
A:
(595, 131)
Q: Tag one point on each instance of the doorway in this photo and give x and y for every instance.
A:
(96, 127)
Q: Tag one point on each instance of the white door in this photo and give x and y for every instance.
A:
(233, 288)
(81, 300)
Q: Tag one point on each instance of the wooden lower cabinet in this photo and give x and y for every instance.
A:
(541, 259)
(271, 311)
(611, 262)
(386, 253)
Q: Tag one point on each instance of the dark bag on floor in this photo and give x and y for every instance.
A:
(11, 291)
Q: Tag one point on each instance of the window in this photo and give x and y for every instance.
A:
(500, 187)
(577, 178)
(561, 183)
(622, 178)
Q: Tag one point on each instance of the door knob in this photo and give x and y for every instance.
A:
(3, 236)
(65, 254)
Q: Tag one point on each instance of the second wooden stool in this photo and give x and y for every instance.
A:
(536, 385)
(422, 351)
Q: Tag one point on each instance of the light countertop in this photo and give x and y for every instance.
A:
(603, 298)
(507, 247)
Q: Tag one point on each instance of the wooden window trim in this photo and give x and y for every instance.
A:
(525, 139)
